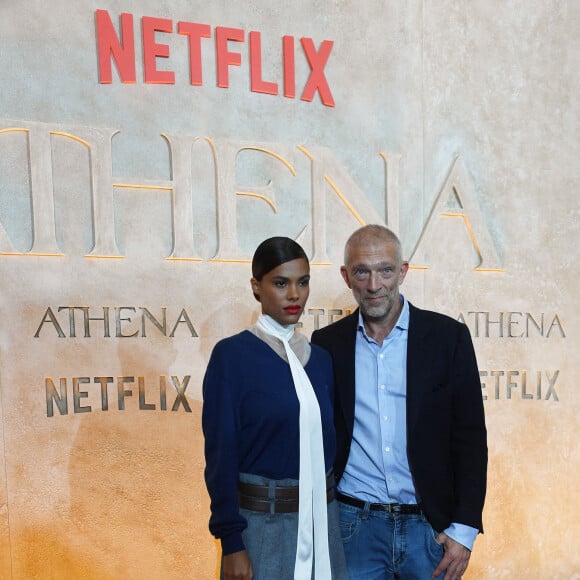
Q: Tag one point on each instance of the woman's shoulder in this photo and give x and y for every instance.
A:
(320, 355)
(239, 341)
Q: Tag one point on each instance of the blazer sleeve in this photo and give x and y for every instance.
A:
(468, 435)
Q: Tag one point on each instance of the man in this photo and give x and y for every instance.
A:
(411, 439)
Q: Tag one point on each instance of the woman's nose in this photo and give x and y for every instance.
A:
(292, 292)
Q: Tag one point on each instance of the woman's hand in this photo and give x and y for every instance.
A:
(237, 566)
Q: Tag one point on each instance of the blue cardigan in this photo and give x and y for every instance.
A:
(250, 423)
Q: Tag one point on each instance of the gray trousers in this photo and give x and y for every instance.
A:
(270, 539)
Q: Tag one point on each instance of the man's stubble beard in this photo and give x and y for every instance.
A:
(378, 311)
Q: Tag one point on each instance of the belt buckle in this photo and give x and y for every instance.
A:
(394, 508)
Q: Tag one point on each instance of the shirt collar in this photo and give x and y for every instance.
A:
(402, 322)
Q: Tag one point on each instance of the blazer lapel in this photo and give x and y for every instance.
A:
(416, 357)
(344, 361)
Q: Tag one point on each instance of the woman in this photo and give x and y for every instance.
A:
(267, 422)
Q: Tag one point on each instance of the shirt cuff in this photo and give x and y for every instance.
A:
(465, 535)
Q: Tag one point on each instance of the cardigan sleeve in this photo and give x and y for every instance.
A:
(220, 428)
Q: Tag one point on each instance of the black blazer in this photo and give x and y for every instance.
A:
(446, 434)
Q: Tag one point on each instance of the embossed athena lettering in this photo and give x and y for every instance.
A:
(327, 178)
(507, 324)
(106, 322)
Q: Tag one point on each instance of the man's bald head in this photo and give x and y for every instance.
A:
(373, 235)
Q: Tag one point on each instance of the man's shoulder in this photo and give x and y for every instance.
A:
(341, 327)
(432, 318)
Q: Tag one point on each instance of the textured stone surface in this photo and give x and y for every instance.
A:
(473, 109)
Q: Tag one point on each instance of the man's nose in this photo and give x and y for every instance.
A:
(373, 282)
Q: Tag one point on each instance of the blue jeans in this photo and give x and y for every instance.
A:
(383, 546)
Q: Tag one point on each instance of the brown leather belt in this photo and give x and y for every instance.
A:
(282, 499)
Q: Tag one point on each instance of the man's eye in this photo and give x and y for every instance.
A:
(304, 282)
(360, 274)
(280, 283)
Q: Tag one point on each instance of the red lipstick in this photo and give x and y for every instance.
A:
(292, 309)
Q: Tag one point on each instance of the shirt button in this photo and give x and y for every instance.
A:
(382, 387)
(385, 418)
(387, 449)
(381, 356)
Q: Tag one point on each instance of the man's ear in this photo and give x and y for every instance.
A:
(344, 275)
(404, 270)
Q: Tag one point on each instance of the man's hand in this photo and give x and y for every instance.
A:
(454, 561)
(237, 566)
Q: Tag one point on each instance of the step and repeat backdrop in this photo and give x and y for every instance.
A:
(146, 148)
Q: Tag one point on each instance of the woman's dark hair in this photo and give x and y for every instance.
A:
(273, 252)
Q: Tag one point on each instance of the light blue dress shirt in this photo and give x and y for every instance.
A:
(378, 469)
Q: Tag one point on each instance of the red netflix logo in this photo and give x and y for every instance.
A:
(120, 49)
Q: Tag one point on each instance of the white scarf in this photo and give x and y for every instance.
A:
(312, 511)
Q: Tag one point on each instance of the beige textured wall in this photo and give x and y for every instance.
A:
(455, 122)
